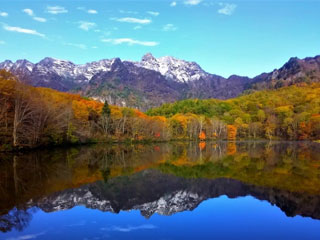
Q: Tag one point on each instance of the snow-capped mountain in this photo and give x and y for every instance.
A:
(62, 68)
(173, 68)
(20, 67)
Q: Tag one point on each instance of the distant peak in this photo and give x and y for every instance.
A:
(115, 61)
(293, 59)
(54, 60)
(147, 57)
(22, 61)
(7, 61)
(48, 59)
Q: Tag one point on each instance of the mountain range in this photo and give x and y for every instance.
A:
(154, 81)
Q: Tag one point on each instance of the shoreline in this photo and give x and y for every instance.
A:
(143, 142)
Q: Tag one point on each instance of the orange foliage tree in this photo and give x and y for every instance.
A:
(202, 136)
(232, 132)
(304, 130)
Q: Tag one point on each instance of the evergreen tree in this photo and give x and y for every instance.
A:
(105, 120)
(106, 110)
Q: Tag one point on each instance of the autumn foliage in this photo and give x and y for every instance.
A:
(289, 113)
(32, 117)
(202, 136)
(232, 132)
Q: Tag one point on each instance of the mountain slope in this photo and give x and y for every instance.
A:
(128, 85)
(294, 71)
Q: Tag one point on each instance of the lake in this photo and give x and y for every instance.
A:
(166, 191)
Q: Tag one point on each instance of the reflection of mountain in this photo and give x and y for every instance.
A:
(153, 192)
(284, 173)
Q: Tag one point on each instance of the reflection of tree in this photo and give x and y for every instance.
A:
(15, 219)
(15, 175)
(106, 174)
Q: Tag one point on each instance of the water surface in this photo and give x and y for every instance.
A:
(225, 190)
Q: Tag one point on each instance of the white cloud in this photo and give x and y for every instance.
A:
(227, 8)
(4, 14)
(132, 20)
(56, 9)
(28, 11)
(173, 4)
(153, 13)
(128, 12)
(39, 19)
(86, 26)
(137, 27)
(23, 30)
(92, 11)
(130, 42)
(129, 228)
(192, 2)
(169, 27)
(2, 42)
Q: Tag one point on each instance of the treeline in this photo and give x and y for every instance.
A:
(32, 117)
(291, 113)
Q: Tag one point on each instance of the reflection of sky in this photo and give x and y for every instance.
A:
(220, 218)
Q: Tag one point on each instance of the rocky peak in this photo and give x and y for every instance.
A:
(56, 62)
(23, 63)
(148, 57)
(172, 68)
(292, 63)
(116, 64)
(46, 61)
(7, 64)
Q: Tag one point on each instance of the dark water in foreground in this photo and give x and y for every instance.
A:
(245, 190)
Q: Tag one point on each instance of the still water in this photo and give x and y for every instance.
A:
(225, 190)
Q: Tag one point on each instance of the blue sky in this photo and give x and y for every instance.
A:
(223, 37)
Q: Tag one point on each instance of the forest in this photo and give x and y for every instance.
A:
(288, 113)
(33, 116)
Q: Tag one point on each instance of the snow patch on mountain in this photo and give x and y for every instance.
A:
(170, 204)
(173, 68)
